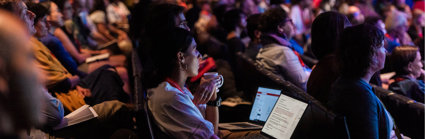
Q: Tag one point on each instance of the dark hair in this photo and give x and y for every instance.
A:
(253, 23)
(46, 4)
(277, 2)
(162, 18)
(325, 33)
(165, 49)
(60, 3)
(39, 10)
(99, 5)
(372, 20)
(293, 2)
(271, 19)
(358, 45)
(401, 57)
(232, 19)
(9, 5)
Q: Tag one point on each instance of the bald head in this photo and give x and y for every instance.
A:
(19, 89)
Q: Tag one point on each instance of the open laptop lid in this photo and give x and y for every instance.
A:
(264, 101)
(284, 117)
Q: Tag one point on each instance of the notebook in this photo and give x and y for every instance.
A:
(264, 101)
(284, 117)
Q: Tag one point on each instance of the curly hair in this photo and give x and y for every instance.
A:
(357, 47)
(271, 19)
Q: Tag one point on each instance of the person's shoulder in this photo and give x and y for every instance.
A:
(351, 87)
(164, 91)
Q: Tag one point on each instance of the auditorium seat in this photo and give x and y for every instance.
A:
(317, 121)
(408, 114)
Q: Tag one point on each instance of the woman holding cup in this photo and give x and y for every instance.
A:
(178, 112)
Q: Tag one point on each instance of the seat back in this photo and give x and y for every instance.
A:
(408, 114)
(316, 122)
(249, 76)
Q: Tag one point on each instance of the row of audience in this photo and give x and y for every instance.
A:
(59, 78)
(349, 57)
(350, 45)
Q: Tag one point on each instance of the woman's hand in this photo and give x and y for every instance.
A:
(206, 91)
(83, 91)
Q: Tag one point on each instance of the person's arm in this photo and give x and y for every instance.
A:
(121, 34)
(104, 30)
(69, 46)
(211, 114)
(178, 116)
(74, 81)
(362, 114)
(53, 111)
(293, 68)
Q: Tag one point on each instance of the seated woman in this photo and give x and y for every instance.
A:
(177, 111)
(101, 85)
(360, 55)
(406, 61)
(325, 33)
(277, 54)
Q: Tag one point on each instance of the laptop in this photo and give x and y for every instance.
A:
(264, 101)
(284, 117)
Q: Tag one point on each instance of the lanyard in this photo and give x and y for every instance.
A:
(175, 85)
(299, 58)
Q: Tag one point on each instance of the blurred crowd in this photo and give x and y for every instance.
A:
(323, 47)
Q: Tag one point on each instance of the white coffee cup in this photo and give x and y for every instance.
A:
(210, 75)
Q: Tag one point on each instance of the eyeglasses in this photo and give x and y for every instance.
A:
(289, 20)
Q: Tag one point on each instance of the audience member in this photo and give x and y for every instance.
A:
(377, 22)
(360, 55)
(355, 15)
(234, 22)
(277, 55)
(254, 33)
(117, 13)
(302, 17)
(82, 28)
(160, 20)
(178, 112)
(109, 30)
(103, 84)
(396, 25)
(20, 89)
(47, 38)
(403, 7)
(417, 28)
(22, 81)
(325, 35)
(366, 7)
(407, 63)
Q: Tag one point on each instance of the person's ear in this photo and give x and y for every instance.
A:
(180, 57)
(410, 67)
(257, 34)
(280, 29)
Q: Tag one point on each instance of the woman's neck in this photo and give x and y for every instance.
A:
(368, 76)
(179, 77)
(52, 29)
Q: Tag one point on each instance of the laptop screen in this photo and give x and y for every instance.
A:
(263, 104)
(284, 117)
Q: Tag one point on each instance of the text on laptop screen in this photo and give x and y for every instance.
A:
(263, 104)
(284, 118)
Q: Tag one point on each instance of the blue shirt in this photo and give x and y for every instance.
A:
(366, 115)
(58, 50)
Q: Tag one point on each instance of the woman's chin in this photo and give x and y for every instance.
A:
(193, 74)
